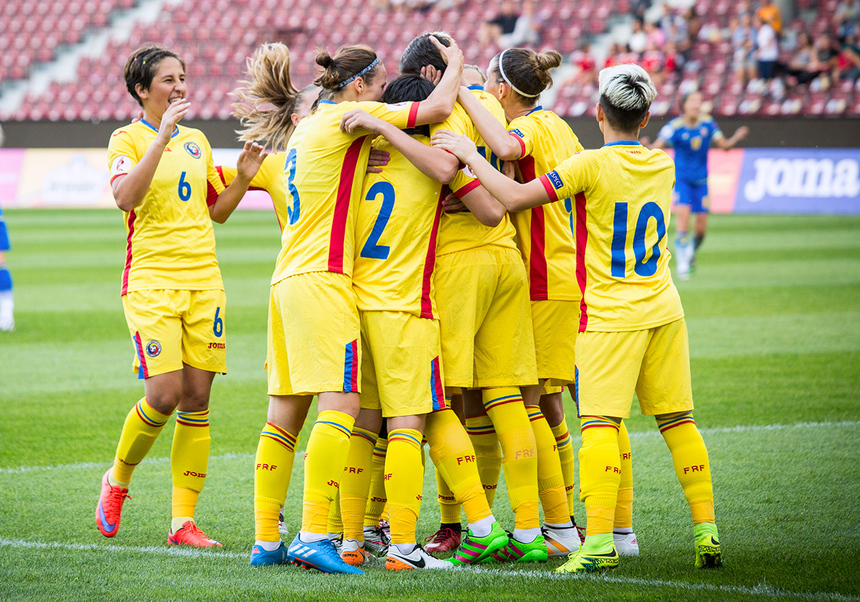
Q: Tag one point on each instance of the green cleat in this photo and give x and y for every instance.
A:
(476, 549)
(708, 554)
(584, 561)
(517, 551)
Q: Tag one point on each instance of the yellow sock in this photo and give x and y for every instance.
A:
(564, 446)
(334, 524)
(452, 453)
(449, 507)
(550, 479)
(327, 449)
(690, 457)
(599, 473)
(624, 505)
(189, 460)
(376, 498)
(519, 452)
(403, 483)
(273, 468)
(355, 486)
(487, 452)
(139, 432)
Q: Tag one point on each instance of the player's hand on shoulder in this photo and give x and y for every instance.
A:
(357, 119)
(377, 160)
(250, 159)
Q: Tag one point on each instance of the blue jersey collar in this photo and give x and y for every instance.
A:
(155, 129)
(624, 143)
(537, 108)
(476, 87)
(327, 102)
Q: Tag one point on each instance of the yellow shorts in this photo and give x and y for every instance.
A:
(551, 389)
(653, 363)
(313, 335)
(483, 301)
(175, 327)
(555, 326)
(401, 370)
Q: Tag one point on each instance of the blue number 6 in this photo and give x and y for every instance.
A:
(372, 249)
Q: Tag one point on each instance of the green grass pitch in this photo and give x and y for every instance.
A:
(774, 321)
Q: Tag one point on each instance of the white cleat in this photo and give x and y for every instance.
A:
(626, 544)
(417, 559)
(561, 542)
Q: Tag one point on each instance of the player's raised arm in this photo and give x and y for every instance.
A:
(247, 165)
(513, 195)
(728, 143)
(440, 103)
(492, 131)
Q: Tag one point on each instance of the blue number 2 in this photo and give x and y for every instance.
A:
(372, 249)
(619, 240)
(294, 211)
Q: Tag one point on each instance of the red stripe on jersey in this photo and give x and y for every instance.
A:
(117, 176)
(211, 194)
(430, 261)
(522, 144)
(581, 242)
(537, 257)
(341, 206)
(220, 171)
(550, 189)
(131, 218)
(413, 115)
(461, 192)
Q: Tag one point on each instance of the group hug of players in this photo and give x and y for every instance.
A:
(447, 245)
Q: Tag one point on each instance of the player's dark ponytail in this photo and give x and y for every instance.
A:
(141, 65)
(525, 71)
(348, 63)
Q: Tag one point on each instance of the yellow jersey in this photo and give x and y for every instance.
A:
(462, 231)
(545, 234)
(170, 242)
(622, 194)
(398, 223)
(323, 178)
(270, 177)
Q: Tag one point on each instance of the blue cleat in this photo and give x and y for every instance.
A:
(319, 555)
(262, 557)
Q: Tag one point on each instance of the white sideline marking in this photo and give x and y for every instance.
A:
(106, 465)
(759, 590)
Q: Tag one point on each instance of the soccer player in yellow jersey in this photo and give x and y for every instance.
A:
(164, 180)
(487, 341)
(398, 223)
(314, 323)
(632, 335)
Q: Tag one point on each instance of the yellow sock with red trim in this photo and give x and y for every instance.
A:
(355, 486)
(404, 480)
(142, 426)
(690, 457)
(376, 498)
(624, 505)
(452, 453)
(273, 467)
(550, 479)
(487, 452)
(328, 446)
(599, 472)
(505, 407)
(564, 445)
(449, 507)
(189, 461)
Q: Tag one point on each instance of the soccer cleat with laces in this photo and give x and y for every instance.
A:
(282, 526)
(109, 508)
(354, 553)
(561, 542)
(708, 554)
(262, 557)
(588, 562)
(626, 544)
(416, 559)
(319, 555)
(376, 541)
(191, 535)
(443, 540)
(476, 549)
(517, 551)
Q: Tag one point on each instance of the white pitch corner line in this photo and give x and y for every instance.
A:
(760, 590)
(655, 433)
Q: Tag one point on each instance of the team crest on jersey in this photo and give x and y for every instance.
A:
(193, 149)
(555, 179)
(397, 106)
(121, 165)
(153, 348)
(468, 171)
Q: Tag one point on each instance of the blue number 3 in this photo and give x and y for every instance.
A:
(372, 249)
(290, 167)
(619, 240)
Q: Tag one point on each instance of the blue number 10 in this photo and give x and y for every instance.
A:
(372, 249)
(619, 240)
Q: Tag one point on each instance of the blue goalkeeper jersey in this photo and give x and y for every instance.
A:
(691, 146)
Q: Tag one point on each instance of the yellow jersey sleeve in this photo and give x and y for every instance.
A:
(215, 185)
(270, 177)
(122, 153)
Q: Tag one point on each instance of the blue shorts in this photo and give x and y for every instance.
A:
(4, 234)
(693, 195)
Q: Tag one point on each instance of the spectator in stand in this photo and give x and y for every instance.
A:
(826, 56)
(526, 31)
(639, 7)
(503, 24)
(846, 18)
(655, 35)
(804, 66)
(638, 41)
(743, 44)
(848, 61)
(694, 24)
(673, 60)
(653, 62)
(767, 48)
(585, 64)
(769, 13)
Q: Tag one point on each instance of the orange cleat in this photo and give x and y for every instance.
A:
(109, 508)
(191, 535)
